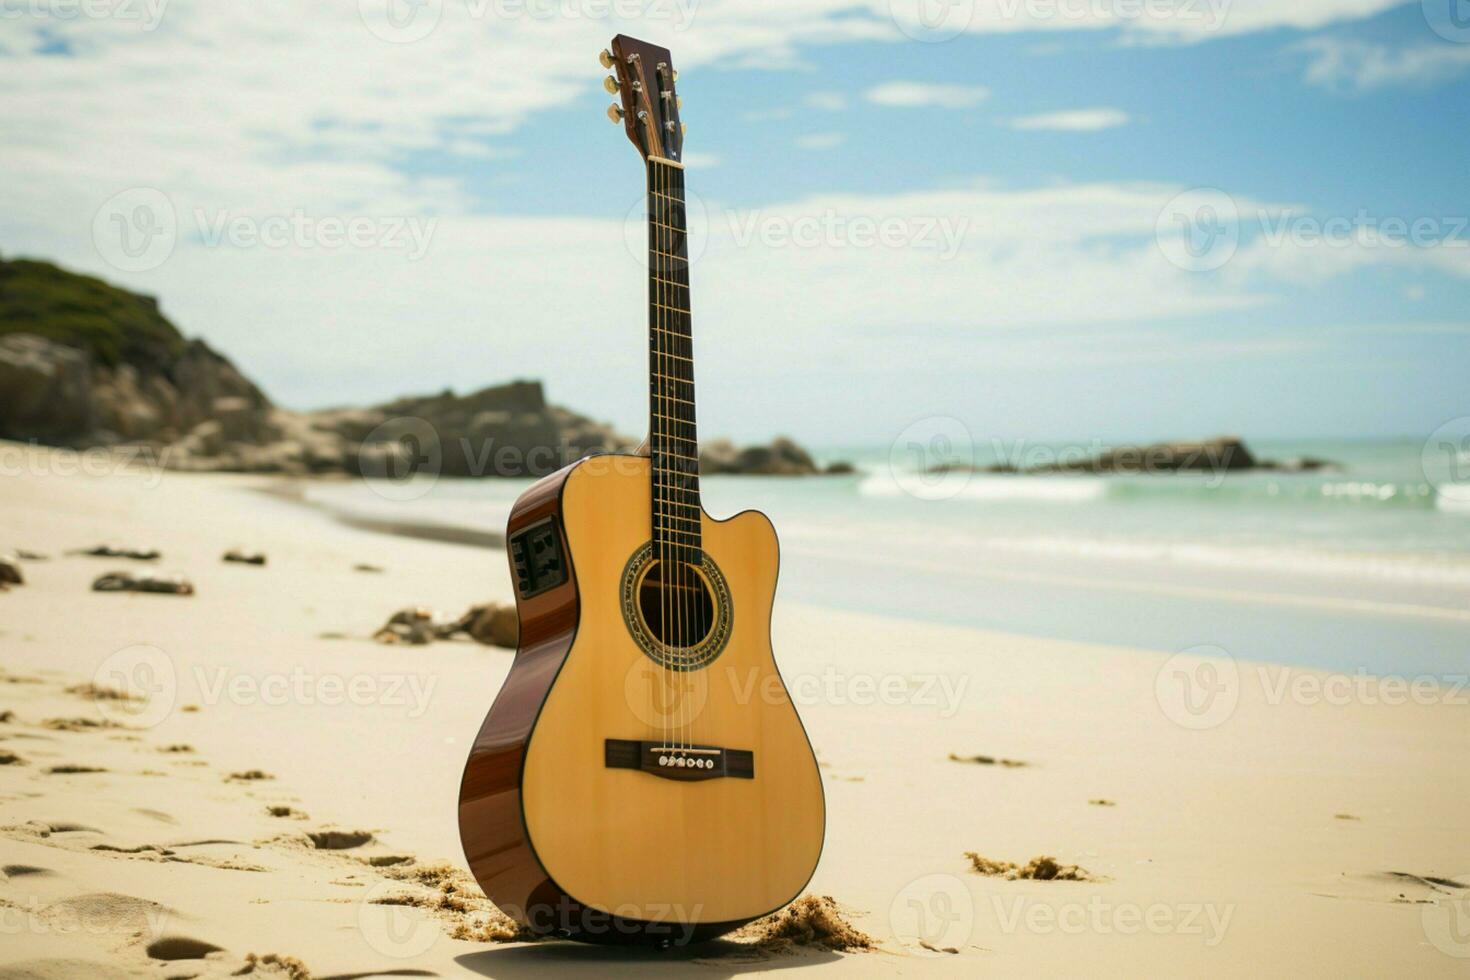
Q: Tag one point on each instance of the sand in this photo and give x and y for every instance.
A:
(284, 800)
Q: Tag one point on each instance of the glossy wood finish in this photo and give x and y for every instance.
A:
(490, 826)
(554, 835)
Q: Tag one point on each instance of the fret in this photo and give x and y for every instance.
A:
(674, 462)
(682, 503)
(693, 535)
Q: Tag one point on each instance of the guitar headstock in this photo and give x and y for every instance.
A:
(643, 76)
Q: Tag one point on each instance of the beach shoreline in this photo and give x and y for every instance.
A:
(1294, 825)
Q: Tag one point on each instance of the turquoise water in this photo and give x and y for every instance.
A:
(1364, 568)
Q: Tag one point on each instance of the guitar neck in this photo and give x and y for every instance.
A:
(673, 436)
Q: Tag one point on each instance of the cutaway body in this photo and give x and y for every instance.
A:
(618, 790)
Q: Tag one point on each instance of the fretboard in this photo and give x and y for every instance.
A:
(673, 438)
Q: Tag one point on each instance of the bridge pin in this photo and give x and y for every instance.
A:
(663, 760)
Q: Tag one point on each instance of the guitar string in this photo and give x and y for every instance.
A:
(660, 429)
(688, 466)
(682, 617)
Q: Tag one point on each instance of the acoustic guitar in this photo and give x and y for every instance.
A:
(642, 775)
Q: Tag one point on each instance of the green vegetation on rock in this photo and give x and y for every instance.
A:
(113, 325)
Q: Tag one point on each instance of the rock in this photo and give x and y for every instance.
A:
(45, 390)
(118, 551)
(497, 626)
(147, 582)
(1217, 455)
(414, 625)
(10, 571)
(244, 558)
(492, 624)
(363, 566)
(1210, 455)
(1300, 464)
(839, 468)
(782, 457)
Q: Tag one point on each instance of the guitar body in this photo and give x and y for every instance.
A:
(576, 816)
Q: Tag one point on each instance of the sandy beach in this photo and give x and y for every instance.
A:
(284, 801)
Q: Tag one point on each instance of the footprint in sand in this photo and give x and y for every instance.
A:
(73, 770)
(170, 948)
(1394, 888)
(25, 871)
(338, 840)
(109, 913)
(248, 776)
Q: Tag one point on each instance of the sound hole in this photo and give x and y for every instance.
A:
(678, 608)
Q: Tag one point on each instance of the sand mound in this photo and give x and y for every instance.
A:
(1042, 868)
(812, 920)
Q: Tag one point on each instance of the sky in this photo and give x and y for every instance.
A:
(1102, 219)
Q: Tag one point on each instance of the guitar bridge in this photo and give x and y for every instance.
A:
(686, 762)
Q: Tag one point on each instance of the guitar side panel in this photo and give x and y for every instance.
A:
(491, 828)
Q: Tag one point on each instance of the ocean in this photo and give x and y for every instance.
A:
(1360, 569)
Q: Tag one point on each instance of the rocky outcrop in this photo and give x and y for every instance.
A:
(84, 364)
(781, 458)
(57, 395)
(1220, 454)
(47, 390)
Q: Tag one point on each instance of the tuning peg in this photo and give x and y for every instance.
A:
(679, 101)
(615, 113)
(611, 84)
(674, 75)
(606, 58)
(683, 129)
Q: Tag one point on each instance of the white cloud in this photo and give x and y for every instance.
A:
(827, 101)
(1344, 65)
(820, 141)
(274, 107)
(1073, 121)
(698, 160)
(917, 94)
